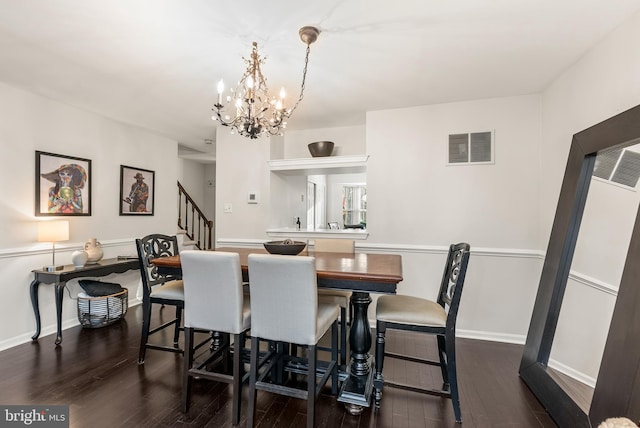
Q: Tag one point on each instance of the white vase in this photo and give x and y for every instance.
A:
(94, 250)
(79, 258)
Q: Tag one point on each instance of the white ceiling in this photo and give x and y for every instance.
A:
(155, 63)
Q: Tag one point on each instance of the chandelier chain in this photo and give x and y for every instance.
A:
(304, 78)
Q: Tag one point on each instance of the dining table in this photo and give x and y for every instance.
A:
(360, 273)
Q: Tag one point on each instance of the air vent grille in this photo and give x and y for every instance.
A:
(620, 166)
(473, 147)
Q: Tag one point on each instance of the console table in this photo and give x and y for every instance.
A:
(59, 279)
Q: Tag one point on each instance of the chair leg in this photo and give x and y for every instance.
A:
(238, 340)
(311, 385)
(334, 357)
(253, 375)
(225, 341)
(442, 355)
(277, 370)
(188, 362)
(343, 337)
(378, 379)
(452, 374)
(176, 333)
(146, 321)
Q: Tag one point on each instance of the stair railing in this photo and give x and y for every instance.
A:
(197, 226)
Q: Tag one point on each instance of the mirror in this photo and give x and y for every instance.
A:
(595, 273)
(621, 356)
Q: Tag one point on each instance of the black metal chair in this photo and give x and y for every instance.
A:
(163, 289)
(426, 316)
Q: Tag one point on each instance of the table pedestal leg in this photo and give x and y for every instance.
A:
(36, 307)
(356, 390)
(217, 341)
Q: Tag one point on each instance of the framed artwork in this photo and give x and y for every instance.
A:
(137, 187)
(63, 185)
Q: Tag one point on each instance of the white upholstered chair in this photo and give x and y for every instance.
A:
(214, 300)
(340, 297)
(334, 245)
(437, 317)
(285, 308)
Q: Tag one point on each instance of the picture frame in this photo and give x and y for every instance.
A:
(137, 191)
(333, 225)
(63, 185)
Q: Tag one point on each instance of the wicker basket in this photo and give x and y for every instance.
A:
(94, 312)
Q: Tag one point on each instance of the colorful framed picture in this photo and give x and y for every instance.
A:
(63, 185)
(137, 189)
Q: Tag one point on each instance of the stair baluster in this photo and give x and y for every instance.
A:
(200, 230)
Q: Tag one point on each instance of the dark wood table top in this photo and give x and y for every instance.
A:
(381, 268)
(101, 268)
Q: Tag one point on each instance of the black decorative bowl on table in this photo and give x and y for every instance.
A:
(286, 247)
(321, 148)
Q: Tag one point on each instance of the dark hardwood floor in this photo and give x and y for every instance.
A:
(95, 372)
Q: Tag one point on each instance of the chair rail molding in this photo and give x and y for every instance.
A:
(38, 249)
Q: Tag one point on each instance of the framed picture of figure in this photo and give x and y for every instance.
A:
(63, 185)
(137, 187)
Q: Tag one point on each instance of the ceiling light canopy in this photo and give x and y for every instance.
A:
(249, 109)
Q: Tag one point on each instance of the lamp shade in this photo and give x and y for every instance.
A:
(53, 231)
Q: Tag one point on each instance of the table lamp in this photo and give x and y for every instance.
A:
(53, 231)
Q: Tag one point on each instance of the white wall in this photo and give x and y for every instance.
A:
(191, 175)
(241, 167)
(348, 140)
(31, 123)
(415, 200)
(209, 206)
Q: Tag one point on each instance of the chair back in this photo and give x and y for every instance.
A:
(150, 247)
(453, 280)
(334, 245)
(284, 298)
(213, 297)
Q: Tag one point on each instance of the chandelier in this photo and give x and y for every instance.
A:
(249, 109)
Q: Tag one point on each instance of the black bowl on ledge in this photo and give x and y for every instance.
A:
(321, 148)
(286, 247)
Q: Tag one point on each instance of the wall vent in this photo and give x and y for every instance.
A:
(471, 148)
(620, 166)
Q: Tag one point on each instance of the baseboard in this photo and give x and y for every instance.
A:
(51, 329)
(518, 339)
(572, 373)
